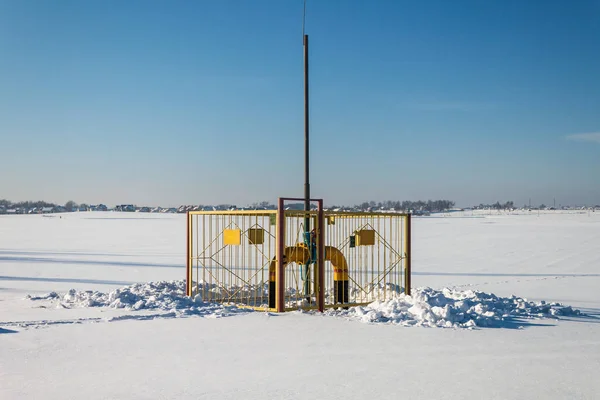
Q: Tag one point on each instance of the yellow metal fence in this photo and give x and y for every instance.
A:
(373, 248)
(229, 254)
(346, 259)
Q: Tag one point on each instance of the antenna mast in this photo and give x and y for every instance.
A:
(306, 127)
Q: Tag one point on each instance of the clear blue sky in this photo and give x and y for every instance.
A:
(171, 102)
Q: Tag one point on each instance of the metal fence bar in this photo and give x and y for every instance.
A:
(188, 266)
(280, 271)
(320, 267)
(407, 260)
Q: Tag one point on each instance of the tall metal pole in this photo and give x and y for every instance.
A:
(306, 138)
(307, 234)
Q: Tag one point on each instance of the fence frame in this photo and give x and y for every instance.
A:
(319, 267)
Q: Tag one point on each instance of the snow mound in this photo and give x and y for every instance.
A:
(163, 295)
(446, 308)
(47, 296)
(450, 308)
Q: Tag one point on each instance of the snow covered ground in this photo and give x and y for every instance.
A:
(91, 306)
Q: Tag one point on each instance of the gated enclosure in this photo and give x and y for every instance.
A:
(288, 259)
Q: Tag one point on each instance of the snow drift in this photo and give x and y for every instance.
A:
(450, 308)
(445, 308)
(164, 296)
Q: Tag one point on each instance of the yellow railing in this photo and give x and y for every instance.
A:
(265, 259)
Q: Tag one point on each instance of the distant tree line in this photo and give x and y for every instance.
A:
(406, 205)
(26, 204)
(262, 205)
(69, 205)
(497, 206)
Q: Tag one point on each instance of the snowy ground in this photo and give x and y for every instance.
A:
(153, 343)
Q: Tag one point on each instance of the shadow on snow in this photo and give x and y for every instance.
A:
(64, 280)
(43, 260)
(60, 253)
(493, 274)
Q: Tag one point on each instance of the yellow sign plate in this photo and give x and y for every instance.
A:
(365, 237)
(232, 237)
(256, 236)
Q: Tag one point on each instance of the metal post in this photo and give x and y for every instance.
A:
(320, 266)
(280, 253)
(306, 136)
(188, 267)
(407, 255)
(306, 269)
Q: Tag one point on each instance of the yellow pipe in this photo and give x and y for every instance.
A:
(300, 255)
(340, 266)
(297, 254)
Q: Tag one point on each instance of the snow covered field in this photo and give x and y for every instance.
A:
(70, 344)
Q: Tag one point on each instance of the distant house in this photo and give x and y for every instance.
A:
(47, 210)
(101, 207)
(83, 208)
